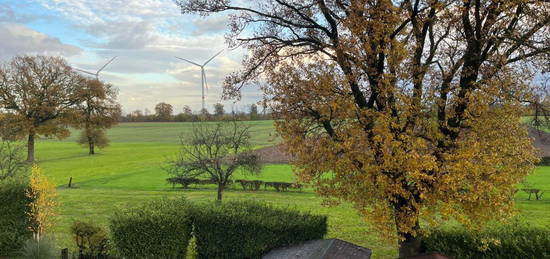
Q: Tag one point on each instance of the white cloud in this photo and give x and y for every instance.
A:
(18, 39)
(146, 35)
(142, 32)
(210, 24)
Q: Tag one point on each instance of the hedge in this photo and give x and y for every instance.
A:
(158, 229)
(496, 242)
(14, 221)
(250, 229)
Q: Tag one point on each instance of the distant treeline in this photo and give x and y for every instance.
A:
(165, 113)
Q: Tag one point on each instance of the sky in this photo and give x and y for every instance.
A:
(145, 35)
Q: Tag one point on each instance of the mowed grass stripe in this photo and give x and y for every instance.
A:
(262, 132)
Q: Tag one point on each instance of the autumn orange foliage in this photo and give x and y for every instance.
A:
(374, 169)
(408, 109)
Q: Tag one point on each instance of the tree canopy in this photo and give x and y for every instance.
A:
(37, 95)
(97, 111)
(408, 109)
(164, 111)
(219, 110)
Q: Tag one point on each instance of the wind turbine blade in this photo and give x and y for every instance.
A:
(105, 65)
(213, 57)
(80, 70)
(189, 61)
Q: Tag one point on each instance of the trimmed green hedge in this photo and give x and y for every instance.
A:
(158, 229)
(14, 221)
(497, 242)
(250, 229)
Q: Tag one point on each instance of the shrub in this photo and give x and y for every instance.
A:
(158, 229)
(39, 249)
(14, 219)
(98, 138)
(43, 194)
(282, 186)
(497, 242)
(250, 229)
(250, 185)
(544, 161)
(184, 181)
(90, 239)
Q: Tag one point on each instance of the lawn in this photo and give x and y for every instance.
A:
(129, 172)
(262, 132)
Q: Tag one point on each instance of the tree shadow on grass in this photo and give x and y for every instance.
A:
(68, 157)
(97, 182)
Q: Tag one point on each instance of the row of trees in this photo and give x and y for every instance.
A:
(44, 96)
(165, 112)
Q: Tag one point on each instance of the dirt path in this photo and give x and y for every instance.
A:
(541, 141)
(273, 155)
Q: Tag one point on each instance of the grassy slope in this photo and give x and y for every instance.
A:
(128, 172)
(536, 212)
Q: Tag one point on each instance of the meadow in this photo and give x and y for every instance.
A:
(129, 172)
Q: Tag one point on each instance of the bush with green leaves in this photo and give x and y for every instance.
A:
(14, 218)
(158, 229)
(504, 241)
(251, 229)
(90, 239)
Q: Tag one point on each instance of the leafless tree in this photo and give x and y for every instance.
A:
(216, 151)
(12, 159)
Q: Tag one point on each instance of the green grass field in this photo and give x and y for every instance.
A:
(129, 172)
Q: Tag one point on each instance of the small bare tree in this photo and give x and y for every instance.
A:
(12, 159)
(216, 151)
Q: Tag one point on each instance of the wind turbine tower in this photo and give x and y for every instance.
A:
(96, 74)
(204, 84)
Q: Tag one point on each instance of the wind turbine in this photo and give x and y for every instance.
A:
(203, 73)
(96, 74)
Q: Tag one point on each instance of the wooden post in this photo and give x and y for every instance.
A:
(70, 181)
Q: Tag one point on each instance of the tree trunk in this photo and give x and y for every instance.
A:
(220, 190)
(411, 246)
(30, 147)
(91, 145)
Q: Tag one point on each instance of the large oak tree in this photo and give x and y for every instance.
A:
(37, 93)
(409, 109)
